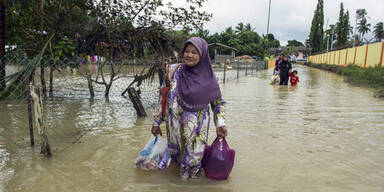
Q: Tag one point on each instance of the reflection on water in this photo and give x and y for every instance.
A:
(324, 135)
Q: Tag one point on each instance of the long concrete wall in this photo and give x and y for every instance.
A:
(370, 55)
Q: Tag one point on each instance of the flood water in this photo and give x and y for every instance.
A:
(324, 135)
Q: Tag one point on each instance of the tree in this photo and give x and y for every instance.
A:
(294, 43)
(379, 31)
(328, 38)
(316, 33)
(342, 27)
(361, 13)
(115, 29)
(290, 50)
(272, 42)
(248, 27)
(363, 27)
(240, 27)
(245, 39)
(347, 28)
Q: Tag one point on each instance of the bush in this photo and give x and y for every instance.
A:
(370, 77)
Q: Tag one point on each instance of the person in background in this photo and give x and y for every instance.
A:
(294, 79)
(284, 69)
(277, 64)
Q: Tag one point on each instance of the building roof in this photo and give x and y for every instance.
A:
(221, 45)
(280, 49)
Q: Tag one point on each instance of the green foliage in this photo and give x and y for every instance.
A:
(289, 50)
(342, 27)
(363, 27)
(316, 33)
(379, 31)
(294, 43)
(113, 27)
(243, 38)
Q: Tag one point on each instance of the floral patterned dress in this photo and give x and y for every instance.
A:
(187, 132)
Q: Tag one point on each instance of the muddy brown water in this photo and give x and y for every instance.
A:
(324, 135)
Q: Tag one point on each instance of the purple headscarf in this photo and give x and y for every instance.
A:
(197, 86)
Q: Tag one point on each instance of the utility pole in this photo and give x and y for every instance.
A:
(326, 29)
(269, 15)
(333, 31)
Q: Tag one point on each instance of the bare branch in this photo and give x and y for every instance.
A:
(141, 9)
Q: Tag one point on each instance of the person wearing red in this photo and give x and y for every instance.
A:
(294, 79)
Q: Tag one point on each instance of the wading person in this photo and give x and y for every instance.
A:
(192, 87)
(294, 79)
(277, 65)
(284, 69)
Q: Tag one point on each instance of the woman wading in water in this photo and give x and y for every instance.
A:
(192, 87)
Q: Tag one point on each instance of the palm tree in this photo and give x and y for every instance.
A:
(248, 27)
(379, 31)
(240, 27)
(361, 13)
(328, 35)
(363, 27)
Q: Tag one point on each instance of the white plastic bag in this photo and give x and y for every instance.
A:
(154, 155)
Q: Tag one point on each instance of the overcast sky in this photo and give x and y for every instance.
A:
(290, 19)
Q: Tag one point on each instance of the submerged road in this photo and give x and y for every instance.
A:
(324, 135)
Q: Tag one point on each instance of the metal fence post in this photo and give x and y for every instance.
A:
(246, 68)
(225, 68)
(252, 67)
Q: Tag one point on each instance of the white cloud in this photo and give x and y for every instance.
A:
(290, 19)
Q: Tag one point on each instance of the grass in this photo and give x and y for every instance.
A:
(368, 77)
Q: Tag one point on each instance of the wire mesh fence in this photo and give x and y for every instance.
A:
(69, 110)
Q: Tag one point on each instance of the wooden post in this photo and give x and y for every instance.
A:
(252, 67)
(90, 85)
(246, 68)
(338, 63)
(40, 122)
(381, 56)
(237, 68)
(225, 68)
(354, 57)
(160, 71)
(88, 73)
(29, 103)
(50, 81)
(215, 55)
(134, 96)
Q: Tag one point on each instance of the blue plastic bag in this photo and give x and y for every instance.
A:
(218, 160)
(155, 154)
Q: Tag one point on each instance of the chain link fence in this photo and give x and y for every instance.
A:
(69, 110)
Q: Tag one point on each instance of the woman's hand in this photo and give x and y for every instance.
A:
(156, 130)
(222, 131)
